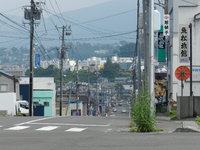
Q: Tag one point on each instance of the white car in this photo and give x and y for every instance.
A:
(124, 111)
(114, 109)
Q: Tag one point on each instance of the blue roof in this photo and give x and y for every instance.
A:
(6, 73)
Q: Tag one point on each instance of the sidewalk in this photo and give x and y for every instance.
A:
(170, 126)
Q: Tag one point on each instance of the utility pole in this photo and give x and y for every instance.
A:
(151, 58)
(62, 56)
(88, 102)
(77, 89)
(65, 31)
(32, 13)
(148, 8)
(31, 58)
(138, 50)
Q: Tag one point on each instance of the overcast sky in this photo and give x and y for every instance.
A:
(14, 6)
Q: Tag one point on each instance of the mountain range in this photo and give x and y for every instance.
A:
(107, 22)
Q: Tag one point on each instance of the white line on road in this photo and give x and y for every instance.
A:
(108, 130)
(1, 126)
(28, 122)
(71, 124)
(48, 128)
(75, 129)
(18, 128)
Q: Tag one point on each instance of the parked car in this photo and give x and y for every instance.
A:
(124, 111)
(114, 109)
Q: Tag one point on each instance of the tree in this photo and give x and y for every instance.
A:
(51, 71)
(127, 50)
(119, 88)
(110, 70)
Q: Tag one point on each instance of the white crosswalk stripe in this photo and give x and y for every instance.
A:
(18, 128)
(48, 128)
(75, 129)
(45, 128)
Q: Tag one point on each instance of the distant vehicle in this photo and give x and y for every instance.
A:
(119, 104)
(124, 111)
(10, 106)
(114, 109)
(22, 107)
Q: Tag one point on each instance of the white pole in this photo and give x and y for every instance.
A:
(152, 73)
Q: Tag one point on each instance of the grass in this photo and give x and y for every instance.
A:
(133, 128)
(197, 119)
(172, 115)
(19, 115)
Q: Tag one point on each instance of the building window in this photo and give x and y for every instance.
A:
(35, 103)
(3, 87)
(46, 103)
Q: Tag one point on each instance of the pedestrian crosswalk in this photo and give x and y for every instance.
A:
(18, 128)
(75, 129)
(45, 128)
(48, 128)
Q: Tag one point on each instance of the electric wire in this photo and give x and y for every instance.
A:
(110, 16)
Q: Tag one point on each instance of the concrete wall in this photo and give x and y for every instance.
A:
(186, 107)
(196, 105)
(7, 103)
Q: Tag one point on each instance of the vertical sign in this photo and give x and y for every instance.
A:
(166, 27)
(37, 60)
(183, 43)
(161, 46)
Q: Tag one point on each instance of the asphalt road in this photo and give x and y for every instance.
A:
(86, 133)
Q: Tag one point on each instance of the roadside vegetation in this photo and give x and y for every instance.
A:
(143, 118)
(172, 115)
(197, 119)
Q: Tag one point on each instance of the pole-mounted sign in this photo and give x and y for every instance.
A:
(166, 23)
(161, 46)
(182, 73)
(183, 43)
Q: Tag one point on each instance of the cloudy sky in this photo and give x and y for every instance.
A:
(14, 7)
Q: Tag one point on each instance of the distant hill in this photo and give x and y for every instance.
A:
(108, 21)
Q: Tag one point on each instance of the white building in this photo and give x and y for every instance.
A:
(182, 13)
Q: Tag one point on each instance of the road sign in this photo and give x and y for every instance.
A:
(166, 31)
(182, 73)
(37, 60)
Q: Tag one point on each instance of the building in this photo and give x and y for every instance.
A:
(9, 83)
(44, 93)
(182, 13)
(9, 93)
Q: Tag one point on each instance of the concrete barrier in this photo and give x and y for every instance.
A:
(188, 106)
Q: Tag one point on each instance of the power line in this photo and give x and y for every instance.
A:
(13, 9)
(12, 27)
(98, 37)
(190, 2)
(13, 37)
(110, 16)
(13, 22)
(55, 12)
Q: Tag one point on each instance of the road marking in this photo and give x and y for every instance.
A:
(48, 128)
(71, 124)
(75, 129)
(1, 126)
(28, 122)
(108, 130)
(18, 128)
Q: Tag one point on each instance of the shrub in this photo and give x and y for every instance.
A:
(197, 120)
(142, 113)
(172, 114)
